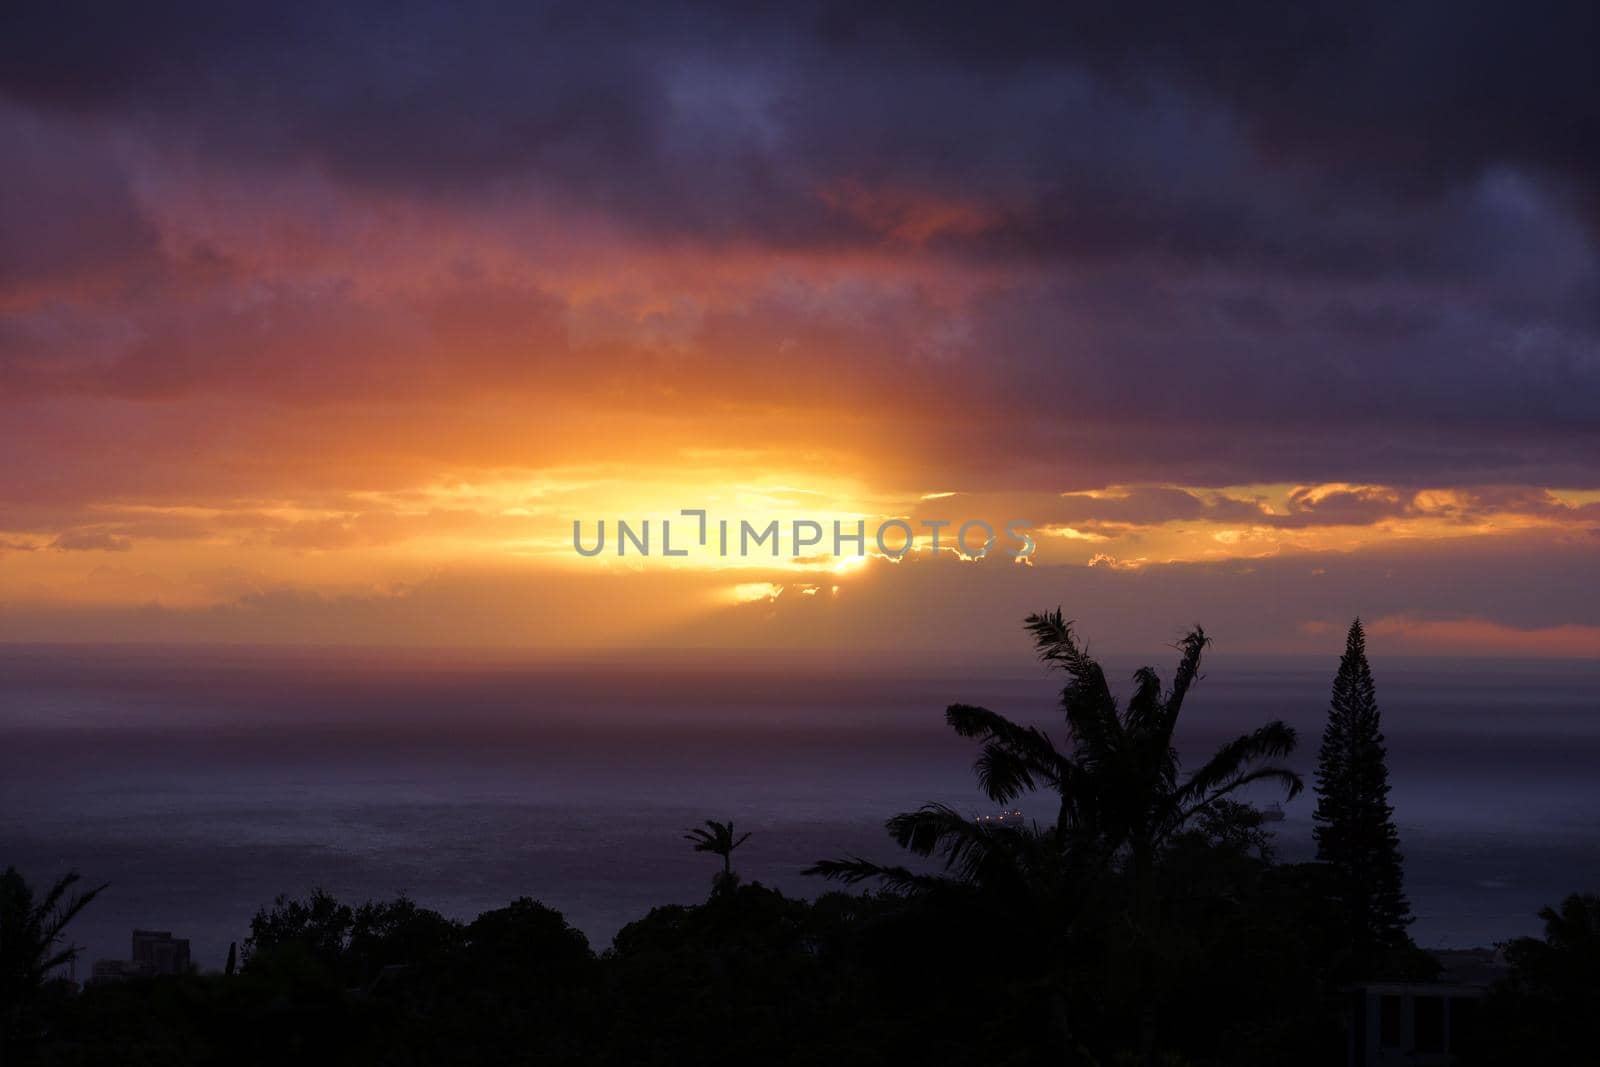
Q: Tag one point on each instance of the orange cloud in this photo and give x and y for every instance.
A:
(1477, 636)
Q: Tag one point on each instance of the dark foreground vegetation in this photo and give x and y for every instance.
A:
(1149, 924)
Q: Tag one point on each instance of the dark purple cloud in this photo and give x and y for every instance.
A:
(1219, 243)
(67, 212)
(718, 109)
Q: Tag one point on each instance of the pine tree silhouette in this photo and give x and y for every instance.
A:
(1355, 829)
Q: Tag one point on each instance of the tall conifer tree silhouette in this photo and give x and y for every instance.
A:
(1354, 822)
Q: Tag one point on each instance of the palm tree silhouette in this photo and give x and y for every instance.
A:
(32, 944)
(34, 941)
(719, 841)
(1117, 785)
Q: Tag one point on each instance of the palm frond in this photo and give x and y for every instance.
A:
(1290, 780)
(56, 891)
(985, 725)
(936, 828)
(1272, 741)
(31, 930)
(1015, 759)
(1003, 776)
(1055, 644)
(1188, 672)
(855, 870)
(56, 914)
(1145, 709)
(1236, 765)
(718, 838)
(1086, 699)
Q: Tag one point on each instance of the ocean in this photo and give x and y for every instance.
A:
(199, 784)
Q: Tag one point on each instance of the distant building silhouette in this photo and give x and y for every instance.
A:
(159, 951)
(155, 952)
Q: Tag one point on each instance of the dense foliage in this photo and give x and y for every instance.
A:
(33, 944)
(1545, 1010)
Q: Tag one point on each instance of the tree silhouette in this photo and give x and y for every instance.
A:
(1117, 785)
(318, 927)
(33, 933)
(1543, 1010)
(32, 944)
(718, 840)
(1354, 822)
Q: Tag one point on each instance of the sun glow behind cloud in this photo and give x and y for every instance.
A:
(286, 386)
(132, 552)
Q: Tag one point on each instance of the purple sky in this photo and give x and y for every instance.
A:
(323, 324)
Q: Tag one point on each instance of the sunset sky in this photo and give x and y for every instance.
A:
(322, 327)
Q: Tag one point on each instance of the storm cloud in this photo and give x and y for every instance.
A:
(279, 260)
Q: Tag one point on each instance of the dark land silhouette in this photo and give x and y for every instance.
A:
(1150, 923)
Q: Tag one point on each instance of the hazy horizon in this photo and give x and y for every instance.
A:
(201, 785)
